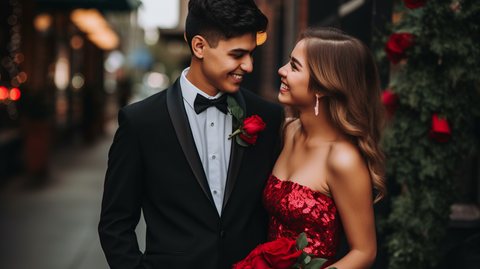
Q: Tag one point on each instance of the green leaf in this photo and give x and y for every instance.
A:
(231, 101)
(301, 258)
(316, 263)
(307, 259)
(242, 142)
(302, 241)
(237, 112)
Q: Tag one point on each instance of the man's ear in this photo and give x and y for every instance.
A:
(198, 46)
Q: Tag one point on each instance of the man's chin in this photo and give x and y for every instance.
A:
(232, 89)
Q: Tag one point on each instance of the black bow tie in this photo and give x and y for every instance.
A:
(202, 103)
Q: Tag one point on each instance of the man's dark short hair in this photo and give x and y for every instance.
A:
(217, 20)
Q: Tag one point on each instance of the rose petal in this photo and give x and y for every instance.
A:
(287, 261)
(252, 140)
(396, 46)
(259, 262)
(253, 125)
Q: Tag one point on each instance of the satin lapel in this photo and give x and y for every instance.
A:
(179, 118)
(236, 154)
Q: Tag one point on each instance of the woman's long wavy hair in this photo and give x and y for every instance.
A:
(343, 70)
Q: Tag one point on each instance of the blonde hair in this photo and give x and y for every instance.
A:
(342, 68)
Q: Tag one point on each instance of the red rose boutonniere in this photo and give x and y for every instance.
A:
(247, 129)
(281, 254)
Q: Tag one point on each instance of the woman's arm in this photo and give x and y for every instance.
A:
(351, 188)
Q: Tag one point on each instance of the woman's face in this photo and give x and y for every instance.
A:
(295, 77)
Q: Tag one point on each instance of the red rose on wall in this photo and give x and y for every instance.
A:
(396, 46)
(412, 4)
(252, 125)
(282, 253)
(440, 131)
(390, 100)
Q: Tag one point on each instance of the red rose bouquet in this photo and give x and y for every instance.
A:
(281, 254)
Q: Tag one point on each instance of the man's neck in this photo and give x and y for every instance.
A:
(196, 77)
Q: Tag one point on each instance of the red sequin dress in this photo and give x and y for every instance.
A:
(294, 209)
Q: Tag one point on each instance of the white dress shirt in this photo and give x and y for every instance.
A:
(210, 130)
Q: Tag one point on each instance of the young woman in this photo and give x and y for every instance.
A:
(322, 181)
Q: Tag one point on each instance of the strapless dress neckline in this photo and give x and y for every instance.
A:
(302, 186)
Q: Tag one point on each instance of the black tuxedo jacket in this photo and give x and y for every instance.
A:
(154, 166)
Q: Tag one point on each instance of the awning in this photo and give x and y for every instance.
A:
(102, 5)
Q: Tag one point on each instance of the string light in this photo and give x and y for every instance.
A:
(13, 60)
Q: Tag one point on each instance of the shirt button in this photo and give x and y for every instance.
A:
(213, 157)
(214, 192)
(211, 124)
(223, 234)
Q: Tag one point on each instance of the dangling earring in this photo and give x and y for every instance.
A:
(316, 106)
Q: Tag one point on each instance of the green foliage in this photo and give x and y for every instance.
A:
(302, 241)
(438, 77)
(237, 111)
(241, 142)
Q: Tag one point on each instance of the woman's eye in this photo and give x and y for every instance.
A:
(293, 65)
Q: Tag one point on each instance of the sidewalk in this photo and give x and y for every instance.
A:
(55, 227)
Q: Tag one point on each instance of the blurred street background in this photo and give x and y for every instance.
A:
(67, 66)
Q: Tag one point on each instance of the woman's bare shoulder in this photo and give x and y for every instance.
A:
(344, 161)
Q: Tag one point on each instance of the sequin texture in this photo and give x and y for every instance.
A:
(294, 209)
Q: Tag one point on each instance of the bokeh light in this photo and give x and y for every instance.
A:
(3, 93)
(15, 82)
(91, 22)
(22, 77)
(14, 94)
(77, 81)
(12, 20)
(76, 42)
(42, 22)
(19, 57)
(6, 61)
(155, 80)
(114, 61)
(151, 36)
(61, 74)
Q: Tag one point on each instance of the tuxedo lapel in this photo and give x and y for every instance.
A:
(180, 122)
(235, 155)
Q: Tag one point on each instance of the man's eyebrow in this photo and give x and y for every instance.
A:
(296, 61)
(242, 50)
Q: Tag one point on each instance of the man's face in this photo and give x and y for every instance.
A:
(223, 67)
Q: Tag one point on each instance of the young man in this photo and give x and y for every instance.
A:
(171, 157)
